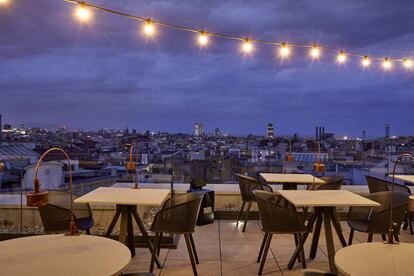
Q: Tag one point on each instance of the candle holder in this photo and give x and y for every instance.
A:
(39, 198)
(131, 166)
(391, 228)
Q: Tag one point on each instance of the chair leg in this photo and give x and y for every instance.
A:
(190, 253)
(396, 238)
(154, 251)
(384, 238)
(159, 245)
(88, 231)
(249, 206)
(351, 236)
(410, 223)
(194, 249)
(266, 249)
(296, 244)
(370, 236)
(302, 253)
(261, 247)
(241, 212)
(406, 221)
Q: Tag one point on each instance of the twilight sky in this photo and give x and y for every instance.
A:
(56, 71)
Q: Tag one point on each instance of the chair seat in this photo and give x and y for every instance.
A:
(359, 225)
(84, 223)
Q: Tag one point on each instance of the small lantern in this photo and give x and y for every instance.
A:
(2, 166)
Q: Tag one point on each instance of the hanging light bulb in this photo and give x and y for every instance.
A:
(386, 64)
(315, 52)
(202, 38)
(82, 13)
(247, 46)
(341, 57)
(365, 61)
(284, 50)
(408, 63)
(4, 2)
(149, 28)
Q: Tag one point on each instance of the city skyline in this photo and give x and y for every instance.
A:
(105, 74)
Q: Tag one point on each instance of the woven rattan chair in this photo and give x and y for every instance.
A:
(56, 214)
(376, 185)
(247, 186)
(178, 216)
(375, 220)
(277, 216)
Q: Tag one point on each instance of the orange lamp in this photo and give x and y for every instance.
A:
(131, 166)
(318, 166)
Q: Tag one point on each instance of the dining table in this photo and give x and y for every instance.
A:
(63, 255)
(324, 203)
(127, 200)
(291, 180)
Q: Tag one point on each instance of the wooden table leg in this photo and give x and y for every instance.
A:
(144, 233)
(113, 222)
(130, 231)
(123, 225)
(316, 234)
(329, 238)
(337, 227)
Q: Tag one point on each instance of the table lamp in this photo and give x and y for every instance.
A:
(391, 228)
(39, 198)
(318, 166)
(131, 166)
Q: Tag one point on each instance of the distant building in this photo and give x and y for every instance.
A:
(387, 130)
(198, 129)
(217, 132)
(270, 130)
(364, 135)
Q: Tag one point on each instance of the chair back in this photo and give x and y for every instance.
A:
(376, 185)
(248, 184)
(56, 214)
(379, 216)
(178, 214)
(333, 182)
(277, 215)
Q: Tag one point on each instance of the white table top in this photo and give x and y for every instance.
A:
(404, 177)
(61, 255)
(125, 196)
(291, 178)
(325, 198)
(375, 259)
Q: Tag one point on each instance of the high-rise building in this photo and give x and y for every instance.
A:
(198, 129)
(270, 130)
(387, 130)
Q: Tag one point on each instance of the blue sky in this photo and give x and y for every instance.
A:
(56, 71)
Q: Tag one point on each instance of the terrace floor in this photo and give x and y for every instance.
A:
(223, 249)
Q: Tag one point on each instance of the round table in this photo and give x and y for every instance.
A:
(63, 255)
(376, 258)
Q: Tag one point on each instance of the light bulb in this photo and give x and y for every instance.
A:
(408, 63)
(386, 64)
(284, 50)
(149, 28)
(341, 57)
(315, 52)
(4, 2)
(202, 39)
(82, 13)
(365, 61)
(247, 46)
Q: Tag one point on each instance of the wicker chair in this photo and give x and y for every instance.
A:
(375, 220)
(247, 186)
(376, 185)
(178, 216)
(333, 182)
(56, 214)
(277, 216)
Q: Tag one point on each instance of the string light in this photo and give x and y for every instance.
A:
(365, 61)
(202, 39)
(315, 52)
(386, 64)
(341, 57)
(149, 28)
(247, 46)
(82, 13)
(284, 50)
(408, 63)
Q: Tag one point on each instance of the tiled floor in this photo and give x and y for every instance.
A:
(224, 250)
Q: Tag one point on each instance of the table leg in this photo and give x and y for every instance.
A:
(144, 233)
(329, 238)
(316, 234)
(337, 226)
(123, 225)
(113, 222)
(302, 240)
(130, 231)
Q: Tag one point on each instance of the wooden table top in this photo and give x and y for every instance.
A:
(125, 196)
(325, 198)
(291, 178)
(404, 177)
(375, 259)
(61, 255)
